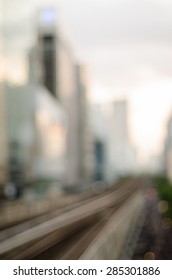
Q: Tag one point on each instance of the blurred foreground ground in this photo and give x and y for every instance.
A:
(155, 241)
(133, 219)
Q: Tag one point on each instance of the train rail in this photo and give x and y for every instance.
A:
(16, 212)
(11, 228)
(75, 225)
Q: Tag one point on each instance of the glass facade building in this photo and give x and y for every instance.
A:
(42, 108)
(33, 123)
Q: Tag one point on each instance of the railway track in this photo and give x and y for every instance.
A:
(14, 209)
(14, 227)
(68, 231)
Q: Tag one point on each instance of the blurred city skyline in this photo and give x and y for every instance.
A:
(127, 48)
(86, 129)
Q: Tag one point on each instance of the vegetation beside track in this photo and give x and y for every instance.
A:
(164, 188)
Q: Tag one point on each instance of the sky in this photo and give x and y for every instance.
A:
(127, 45)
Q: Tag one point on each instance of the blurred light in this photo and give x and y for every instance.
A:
(48, 16)
(162, 206)
(166, 223)
(149, 256)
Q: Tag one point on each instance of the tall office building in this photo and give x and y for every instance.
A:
(121, 154)
(57, 70)
(85, 139)
(55, 59)
(31, 119)
(36, 55)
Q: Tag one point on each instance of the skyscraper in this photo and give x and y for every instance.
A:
(58, 75)
(67, 83)
(121, 154)
(85, 140)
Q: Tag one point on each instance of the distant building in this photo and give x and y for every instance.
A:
(121, 153)
(114, 154)
(168, 150)
(100, 138)
(85, 140)
(155, 164)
